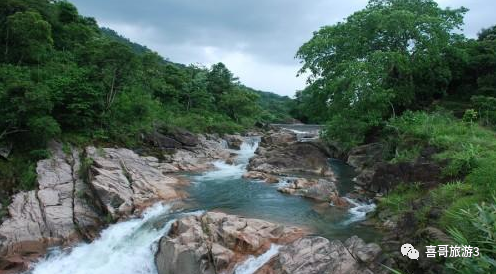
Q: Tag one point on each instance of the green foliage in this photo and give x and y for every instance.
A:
(61, 76)
(274, 108)
(28, 37)
(400, 199)
(379, 61)
(481, 233)
(486, 108)
(463, 145)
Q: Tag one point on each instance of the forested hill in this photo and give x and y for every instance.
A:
(274, 107)
(62, 76)
(400, 81)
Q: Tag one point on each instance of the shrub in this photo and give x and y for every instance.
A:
(482, 228)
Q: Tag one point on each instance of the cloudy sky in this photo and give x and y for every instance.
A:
(256, 39)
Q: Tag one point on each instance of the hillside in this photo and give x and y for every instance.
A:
(64, 77)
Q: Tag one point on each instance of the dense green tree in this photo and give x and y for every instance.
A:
(380, 61)
(26, 106)
(220, 80)
(239, 103)
(28, 38)
(61, 73)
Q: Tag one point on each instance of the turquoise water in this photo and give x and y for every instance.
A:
(224, 190)
(128, 247)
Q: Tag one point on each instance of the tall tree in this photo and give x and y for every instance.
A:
(28, 38)
(381, 60)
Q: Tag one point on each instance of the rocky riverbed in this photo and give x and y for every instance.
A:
(82, 193)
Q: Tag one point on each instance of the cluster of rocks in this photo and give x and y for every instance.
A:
(199, 157)
(282, 157)
(379, 176)
(58, 212)
(280, 153)
(322, 190)
(217, 243)
(80, 192)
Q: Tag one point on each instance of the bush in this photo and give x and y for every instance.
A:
(462, 144)
(481, 233)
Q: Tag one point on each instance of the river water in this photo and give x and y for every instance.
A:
(128, 247)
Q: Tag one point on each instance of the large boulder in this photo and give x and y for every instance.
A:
(58, 212)
(292, 158)
(200, 158)
(317, 189)
(279, 137)
(184, 137)
(365, 156)
(159, 140)
(315, 255)
(215, 242)
(234, 141)
(125, 182)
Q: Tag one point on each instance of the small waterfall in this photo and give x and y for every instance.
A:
(247, 150)
(224, 171)
(124, 248)
(359, 211)
(252, 264)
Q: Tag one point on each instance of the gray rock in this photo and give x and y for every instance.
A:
(201, 157)
(215, 242)
(124, 181)
(318, 189)
(316, 255)
(233, 141)
(291, 158)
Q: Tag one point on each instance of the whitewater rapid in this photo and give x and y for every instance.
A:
(224, 171)
(129, 247)
(123, 248)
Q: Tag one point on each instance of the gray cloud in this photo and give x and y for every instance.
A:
(256, 39)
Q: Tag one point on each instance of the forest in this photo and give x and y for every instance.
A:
(398, 72)
(62, 76)
(402, 74)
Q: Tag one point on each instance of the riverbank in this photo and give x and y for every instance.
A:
(123, 184)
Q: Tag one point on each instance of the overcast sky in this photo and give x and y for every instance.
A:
(256, 39)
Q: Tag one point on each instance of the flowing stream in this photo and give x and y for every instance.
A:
(129, 247)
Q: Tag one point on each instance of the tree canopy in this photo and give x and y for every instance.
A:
(386, 58)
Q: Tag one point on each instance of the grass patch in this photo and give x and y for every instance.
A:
(401, 198)
(462, 144)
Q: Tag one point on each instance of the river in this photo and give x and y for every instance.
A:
(128, 247)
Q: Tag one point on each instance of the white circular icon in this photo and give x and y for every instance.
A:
(408, 250)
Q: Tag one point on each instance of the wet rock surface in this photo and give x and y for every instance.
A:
(125, 182)
(200, 157)
(215, 242)
(315, 255)
(317, 189)
(281, 154)
(234, 141)
(256, 175)
(56, 213)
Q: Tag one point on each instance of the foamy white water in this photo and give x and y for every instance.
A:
(252, 264)
(224, 171)
(247, 150)
(123, 248)
(359, 211)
